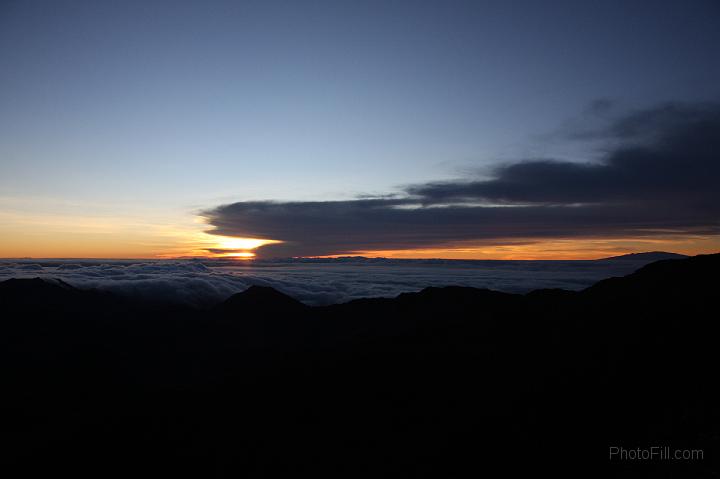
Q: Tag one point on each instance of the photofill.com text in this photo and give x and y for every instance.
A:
(655, 453)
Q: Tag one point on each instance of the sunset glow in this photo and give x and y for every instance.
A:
(125, 237)
(242, 243)
(239, 255)
(262, 238)
(202, 244)
(553, 249)
(123, 138)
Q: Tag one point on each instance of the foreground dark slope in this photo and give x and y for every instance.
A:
(442, 383)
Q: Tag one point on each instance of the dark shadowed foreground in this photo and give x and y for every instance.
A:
(448, 382)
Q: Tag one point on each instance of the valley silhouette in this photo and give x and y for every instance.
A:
(445, 382)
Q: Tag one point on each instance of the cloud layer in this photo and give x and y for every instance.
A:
(313, 282)
(659, 174)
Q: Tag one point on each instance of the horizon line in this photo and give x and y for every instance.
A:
(359, 257)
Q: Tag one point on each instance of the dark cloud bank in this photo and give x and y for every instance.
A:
(659, 174)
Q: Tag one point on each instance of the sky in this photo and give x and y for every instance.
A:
(483, 129)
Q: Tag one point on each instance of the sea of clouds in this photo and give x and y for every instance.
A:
(204, 283)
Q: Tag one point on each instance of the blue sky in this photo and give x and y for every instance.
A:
(152, 108)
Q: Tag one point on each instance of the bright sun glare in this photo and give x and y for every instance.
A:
(240, 248)
(242, 254)
(225, 242)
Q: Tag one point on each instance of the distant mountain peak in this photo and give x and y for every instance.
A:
(647, 256)
(261, 299)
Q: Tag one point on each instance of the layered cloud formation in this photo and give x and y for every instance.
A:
(313, 282)
(658, 174)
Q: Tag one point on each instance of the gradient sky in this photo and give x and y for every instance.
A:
(121, 122)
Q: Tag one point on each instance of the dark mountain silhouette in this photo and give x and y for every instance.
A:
(260, 300)
(39, 293)
(648, 256)
(446, 382)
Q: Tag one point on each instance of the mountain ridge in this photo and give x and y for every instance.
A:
(437, 383)
(645, 256)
